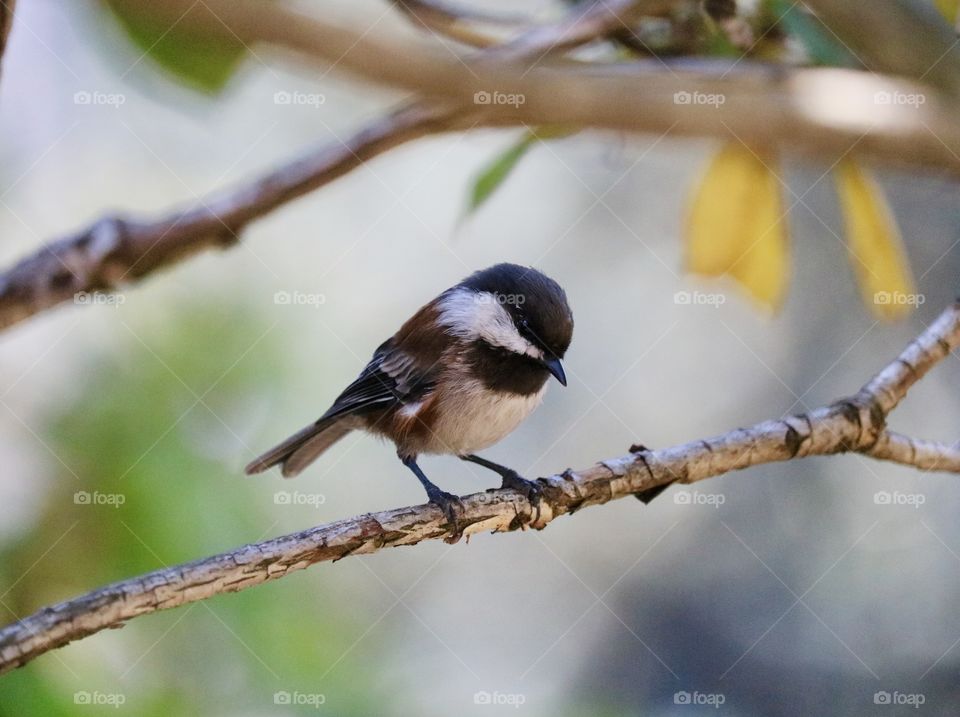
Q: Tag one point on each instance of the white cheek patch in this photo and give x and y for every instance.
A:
(475, 315)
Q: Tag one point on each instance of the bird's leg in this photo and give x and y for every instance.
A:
(511, 479)
(447, 502)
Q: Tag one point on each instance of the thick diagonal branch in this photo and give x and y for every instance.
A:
(855, 424)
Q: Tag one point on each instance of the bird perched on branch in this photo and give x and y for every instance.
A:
(458, 376)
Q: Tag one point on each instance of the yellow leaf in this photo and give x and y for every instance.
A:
(948, 8)
(874, 244)
(736, 225)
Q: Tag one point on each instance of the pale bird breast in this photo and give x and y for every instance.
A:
(472, 418)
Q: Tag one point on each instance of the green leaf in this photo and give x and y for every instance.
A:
(204, 61)
(821, 45)
(494, 174)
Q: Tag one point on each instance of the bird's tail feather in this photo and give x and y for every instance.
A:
(302, 448)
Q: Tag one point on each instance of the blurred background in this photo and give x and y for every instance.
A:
(787, 589)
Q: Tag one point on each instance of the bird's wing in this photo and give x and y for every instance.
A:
(388, 380)
(402, 371)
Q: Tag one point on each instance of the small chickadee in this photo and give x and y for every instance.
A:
(458, 376)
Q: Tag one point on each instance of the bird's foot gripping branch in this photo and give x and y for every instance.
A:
(855, 424)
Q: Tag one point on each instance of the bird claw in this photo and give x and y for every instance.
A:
(531, 490)
(448, 503)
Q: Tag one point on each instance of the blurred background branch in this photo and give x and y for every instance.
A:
(116, 251)
(903, 37)
(856, 424)
(818, 112)
(6, 23)
(124, 426)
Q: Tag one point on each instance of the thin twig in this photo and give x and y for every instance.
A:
(444, 20)
(855, 424)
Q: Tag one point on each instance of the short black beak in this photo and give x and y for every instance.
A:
(556, 368)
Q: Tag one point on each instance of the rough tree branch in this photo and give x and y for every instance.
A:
(855, 424)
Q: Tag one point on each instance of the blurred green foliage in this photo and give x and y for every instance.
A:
(496, 172)
(136, 430)
(199, 60)
(821, 45)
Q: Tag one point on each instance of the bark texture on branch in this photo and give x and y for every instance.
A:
(855, 424)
